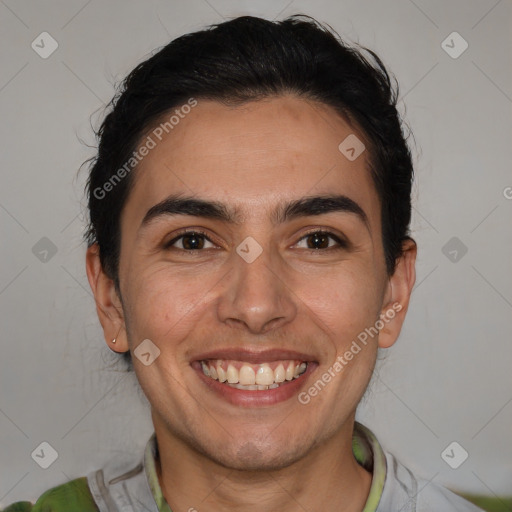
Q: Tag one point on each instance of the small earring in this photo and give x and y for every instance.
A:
(114, 340)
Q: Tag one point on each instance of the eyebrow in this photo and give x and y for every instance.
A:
(303, 207)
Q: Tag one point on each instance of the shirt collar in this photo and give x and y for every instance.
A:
(367, 451)
(150, 457)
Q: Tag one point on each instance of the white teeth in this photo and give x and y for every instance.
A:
(264, 375)
(232, 374)
(253, 387)
(246, 376)
(280, 374)
(290, 371)
(206, 371)
(221, 374)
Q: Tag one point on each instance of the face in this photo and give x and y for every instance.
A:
(251, 252)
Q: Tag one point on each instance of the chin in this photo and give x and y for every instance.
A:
(253, 456)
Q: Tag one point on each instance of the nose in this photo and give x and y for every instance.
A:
(256, 296)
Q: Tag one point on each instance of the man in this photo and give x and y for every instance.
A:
(249, 245)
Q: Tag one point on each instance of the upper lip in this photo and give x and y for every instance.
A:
(254, 356)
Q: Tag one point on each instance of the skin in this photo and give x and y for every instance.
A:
(215, 456)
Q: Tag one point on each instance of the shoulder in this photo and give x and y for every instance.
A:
(120, 482)
(73, 496)
(407, 492)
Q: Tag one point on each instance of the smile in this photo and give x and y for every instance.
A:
(253, 377)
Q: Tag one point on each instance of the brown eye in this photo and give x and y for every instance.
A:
(321, 240)
(190, 241)
(318, 241)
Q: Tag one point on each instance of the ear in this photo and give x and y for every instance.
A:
(398, 293)
(108, 303)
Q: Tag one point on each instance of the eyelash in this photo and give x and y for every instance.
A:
(342, 244)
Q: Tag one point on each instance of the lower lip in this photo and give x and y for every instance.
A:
(255, 398)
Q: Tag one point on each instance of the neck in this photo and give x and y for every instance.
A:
(328, 478)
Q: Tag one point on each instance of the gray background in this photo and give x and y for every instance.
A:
(448, 377)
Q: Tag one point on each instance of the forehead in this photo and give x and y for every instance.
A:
(251, 156)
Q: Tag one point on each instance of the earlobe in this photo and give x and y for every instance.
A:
(400, 287)
(108, 304)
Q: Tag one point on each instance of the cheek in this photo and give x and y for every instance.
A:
(160, 305)
(346, 302)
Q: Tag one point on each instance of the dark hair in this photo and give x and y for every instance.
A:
(247, 59)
